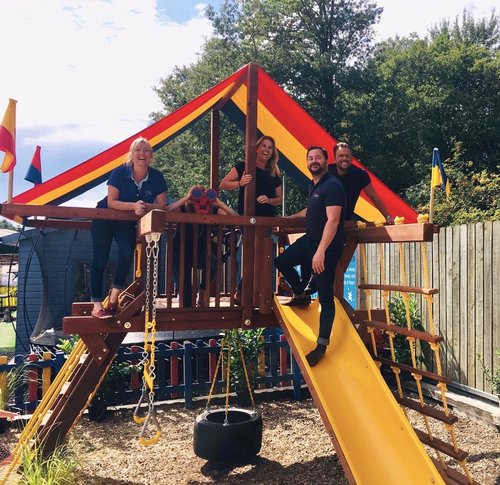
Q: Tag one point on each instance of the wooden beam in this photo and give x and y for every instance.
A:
(168, 319)
(425, 336)
(410, 369)
(249, 192)
(400, 233)
(441, 445)
(237, 84)
(400, 288)
(153, 221)
(215, 149)
(63, 212)
(97, 347)
(426, 410)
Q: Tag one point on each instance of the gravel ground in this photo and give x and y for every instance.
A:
(295, 449)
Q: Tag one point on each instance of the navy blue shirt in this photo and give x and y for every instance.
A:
(121, 178)
(354, 181)
(327, 192)
(265, 184)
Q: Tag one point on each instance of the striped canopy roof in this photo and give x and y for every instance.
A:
(278, 115)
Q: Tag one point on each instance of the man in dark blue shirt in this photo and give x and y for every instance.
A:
(354, 180)
(320, 248)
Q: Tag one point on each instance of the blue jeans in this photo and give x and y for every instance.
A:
(301, 253)
(103, 233)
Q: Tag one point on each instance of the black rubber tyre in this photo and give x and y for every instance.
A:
(240, 439)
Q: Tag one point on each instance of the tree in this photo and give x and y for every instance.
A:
(312, 48)
(5, 224)
(424, 93)
(473, 198)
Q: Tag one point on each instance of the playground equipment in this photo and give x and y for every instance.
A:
(368, 429)
(355, 403)
(230, 433)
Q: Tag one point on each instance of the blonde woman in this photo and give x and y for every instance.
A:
(268, 192)
(134, 186)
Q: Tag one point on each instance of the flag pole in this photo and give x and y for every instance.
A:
(10, 187)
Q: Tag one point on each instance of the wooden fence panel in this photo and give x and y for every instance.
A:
(464, 265)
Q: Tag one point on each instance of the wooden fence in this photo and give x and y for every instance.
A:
(183, 371)
(464, 265)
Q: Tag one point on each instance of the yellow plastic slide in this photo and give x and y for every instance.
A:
(375, 438)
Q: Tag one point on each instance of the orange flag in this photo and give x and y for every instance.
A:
(8, 137)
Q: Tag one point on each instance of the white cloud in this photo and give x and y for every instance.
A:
(404, 17)
(87, 68)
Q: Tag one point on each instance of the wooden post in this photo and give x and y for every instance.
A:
(33, 382)
(250, 157)
(215, 148)
(46, 373)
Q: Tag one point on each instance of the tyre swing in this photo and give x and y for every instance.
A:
(230, 433)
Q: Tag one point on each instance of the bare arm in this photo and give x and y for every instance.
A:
(370, 192)
(232, 180)
(175, 206)
(224, 208)
(333, 218)
(114, 202)
(159, 203)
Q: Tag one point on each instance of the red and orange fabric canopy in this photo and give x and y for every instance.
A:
(278, 115)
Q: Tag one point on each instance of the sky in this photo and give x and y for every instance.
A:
(83, 71)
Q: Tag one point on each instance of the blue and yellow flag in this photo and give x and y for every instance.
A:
(438, 177)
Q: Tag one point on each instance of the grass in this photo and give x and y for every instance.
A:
(7, 338)
(57, 469)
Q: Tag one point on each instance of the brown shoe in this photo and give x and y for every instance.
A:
(101, 314)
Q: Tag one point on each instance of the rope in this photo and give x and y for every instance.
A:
(44, 406)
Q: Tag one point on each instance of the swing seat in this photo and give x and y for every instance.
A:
(240, 438)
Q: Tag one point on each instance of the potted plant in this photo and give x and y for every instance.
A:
(252, 344)
(397, 313)
(492, 377)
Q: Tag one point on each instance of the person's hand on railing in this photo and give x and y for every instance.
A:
(140, 208)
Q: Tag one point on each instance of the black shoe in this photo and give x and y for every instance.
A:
(300, 302)
(316, 355)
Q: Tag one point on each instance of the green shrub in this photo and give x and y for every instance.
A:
(252, 344)
(56, 469)
(16, 378)
(397, 312)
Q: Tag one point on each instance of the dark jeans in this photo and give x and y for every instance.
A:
(301, 253)
(103, 233)
(189, 264)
